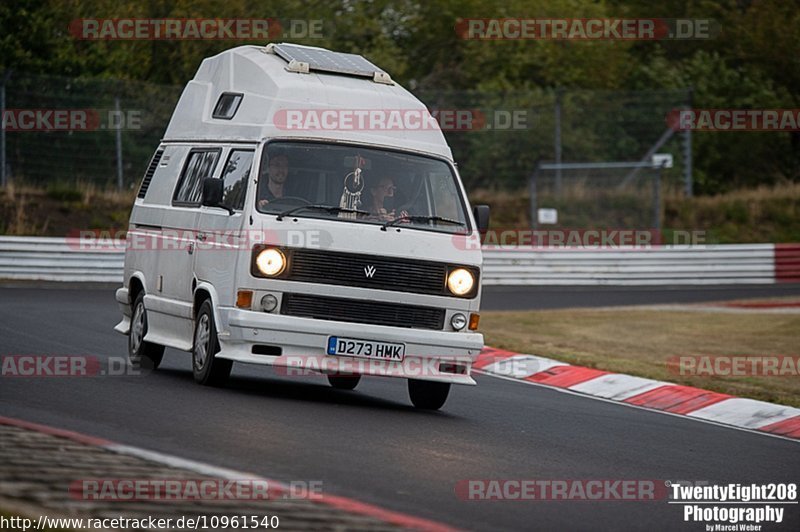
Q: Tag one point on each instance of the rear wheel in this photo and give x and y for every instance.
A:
(428, 395)
(142, 354)
(342, 382)
(206, 368)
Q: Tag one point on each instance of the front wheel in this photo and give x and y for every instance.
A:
(206, 368)
(142, 354)
(428, 395)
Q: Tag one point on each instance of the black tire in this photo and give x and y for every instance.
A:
(144, 355)
(206, 368)
(343, 382)
(428, 395)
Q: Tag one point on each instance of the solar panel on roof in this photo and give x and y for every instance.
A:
(328, 61)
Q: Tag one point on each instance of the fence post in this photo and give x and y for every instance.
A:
(657, 198)
(687, 156)
(532, 191)
(119, 143)
(3, 176)
(557, 140)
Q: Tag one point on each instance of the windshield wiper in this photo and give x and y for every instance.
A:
(421, 219)
(327, 208)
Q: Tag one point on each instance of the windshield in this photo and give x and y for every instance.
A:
(360, 185)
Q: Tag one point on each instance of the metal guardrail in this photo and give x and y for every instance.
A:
(720, 264)
(59, 259)
(64, 259)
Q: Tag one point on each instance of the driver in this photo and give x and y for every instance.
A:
(277, 172)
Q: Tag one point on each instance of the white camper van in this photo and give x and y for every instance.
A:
(282, 221)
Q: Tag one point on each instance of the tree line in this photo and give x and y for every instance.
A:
(752, 62)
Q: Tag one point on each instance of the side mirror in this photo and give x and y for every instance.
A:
(212, 191)
(481, 214)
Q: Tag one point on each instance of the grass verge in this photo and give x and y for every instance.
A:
(640, 342)
(63, 209)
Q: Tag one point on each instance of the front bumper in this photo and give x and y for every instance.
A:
(430, 355)
(124, 326)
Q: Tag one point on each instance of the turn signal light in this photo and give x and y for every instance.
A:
(244, 299)
(474, 318)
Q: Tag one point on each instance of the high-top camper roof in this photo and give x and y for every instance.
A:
(263, 83)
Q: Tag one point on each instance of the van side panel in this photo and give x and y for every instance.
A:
(161, 247)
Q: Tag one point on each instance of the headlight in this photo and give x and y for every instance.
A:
(270, 262)
(460, 281)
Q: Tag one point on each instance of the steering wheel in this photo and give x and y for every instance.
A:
(407, 207)
(291, 201)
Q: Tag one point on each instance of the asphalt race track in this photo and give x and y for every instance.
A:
(551, 297)
(371, 444)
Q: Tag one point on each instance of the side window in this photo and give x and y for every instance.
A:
(199, 165)
(235, 175)
(227, 105)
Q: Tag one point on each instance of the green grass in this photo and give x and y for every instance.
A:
(63, 208)
(640, 342)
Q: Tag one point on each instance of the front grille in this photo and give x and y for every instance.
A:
(350, 269)
(359, 311)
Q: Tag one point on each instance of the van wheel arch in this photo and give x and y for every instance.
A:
(200, 296)
(135, 287)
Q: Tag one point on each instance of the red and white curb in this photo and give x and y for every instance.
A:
(340, 503)
(661, 396)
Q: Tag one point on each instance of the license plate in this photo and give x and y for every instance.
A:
(354, 347)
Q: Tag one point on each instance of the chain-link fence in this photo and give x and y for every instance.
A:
(91, 130)
(610, 195)
(519, 129)
(509, 134)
